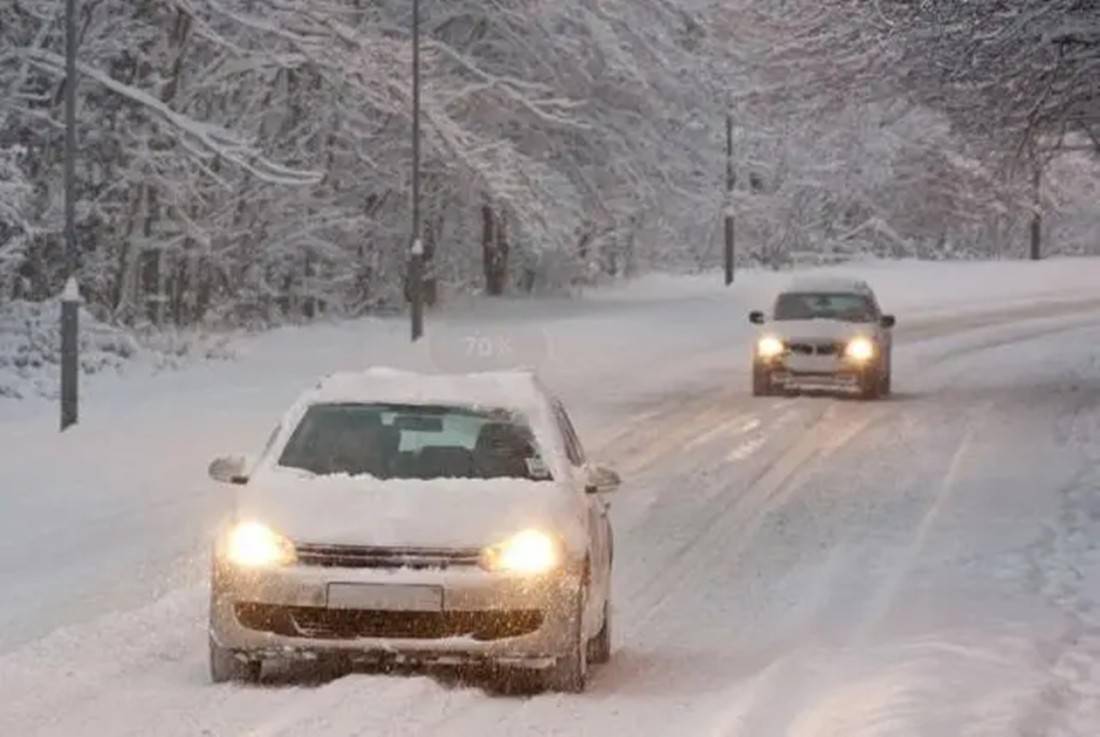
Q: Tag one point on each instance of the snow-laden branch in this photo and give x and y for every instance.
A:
(210, 140)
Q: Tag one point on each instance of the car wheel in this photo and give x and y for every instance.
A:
(761, 381)
(570, 673)
(226, 667)
(599, 647)
(870, 384)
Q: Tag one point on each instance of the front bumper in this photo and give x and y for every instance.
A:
(817, 373)
(843, 380)
(485, 617)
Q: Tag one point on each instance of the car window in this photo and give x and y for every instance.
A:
(848, 307)
(573, 448)
(414, 442)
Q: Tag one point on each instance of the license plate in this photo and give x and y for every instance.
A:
(812, 364)
(385, 597)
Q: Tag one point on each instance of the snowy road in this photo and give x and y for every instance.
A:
(928, 565)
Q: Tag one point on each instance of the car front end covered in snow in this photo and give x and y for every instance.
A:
(418, 520)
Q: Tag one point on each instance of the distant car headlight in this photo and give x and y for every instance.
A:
(530, 552)
(860, 349)
(769, 347)
(252, 545)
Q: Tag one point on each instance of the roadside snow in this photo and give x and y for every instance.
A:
(30, 349)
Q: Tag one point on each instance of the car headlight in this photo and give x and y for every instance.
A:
(769, 347)
(860, 349)
(531, 552)
(252, 545)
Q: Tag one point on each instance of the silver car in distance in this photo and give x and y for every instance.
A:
(825, 334)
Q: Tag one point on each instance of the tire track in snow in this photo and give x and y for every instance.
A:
(806, 712)
(724, 532)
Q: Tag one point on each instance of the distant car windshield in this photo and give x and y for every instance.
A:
(414, 442)
(823, 306)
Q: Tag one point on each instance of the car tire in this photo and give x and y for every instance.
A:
(761, 381)
(870, 385)
(226, 667)
(569, 674)
(599, 647)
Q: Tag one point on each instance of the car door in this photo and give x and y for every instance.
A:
(599, 526)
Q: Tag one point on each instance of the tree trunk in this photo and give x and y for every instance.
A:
(494, 249)
(1037, 216)
(152, 272)
(309, 305)
(204, 291)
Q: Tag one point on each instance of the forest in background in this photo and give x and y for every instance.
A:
(247, 162)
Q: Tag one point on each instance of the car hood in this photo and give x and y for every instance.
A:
(819, 330)
(439, 513)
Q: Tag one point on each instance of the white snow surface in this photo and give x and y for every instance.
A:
(797, 567)
(514, 390)
(458, 513)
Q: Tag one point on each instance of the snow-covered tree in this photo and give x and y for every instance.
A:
(249, 160)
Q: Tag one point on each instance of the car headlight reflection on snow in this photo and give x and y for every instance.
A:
(252, 545)
(530, 552)
(769, 347)
(860, 349)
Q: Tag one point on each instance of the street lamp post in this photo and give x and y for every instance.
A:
(416, 250)
(70, 298)
(731, 181)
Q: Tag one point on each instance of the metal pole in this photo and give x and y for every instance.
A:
(416, 251)
(1037, 216)
(70, 299)
(730, 182)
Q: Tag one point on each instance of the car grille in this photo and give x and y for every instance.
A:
(347, 624)
(354, 556)
(816, 349)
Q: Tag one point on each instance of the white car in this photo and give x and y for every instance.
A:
(420, 519)
(824, 334)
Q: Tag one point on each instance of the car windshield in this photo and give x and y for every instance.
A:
(824, 306)
(414, 442)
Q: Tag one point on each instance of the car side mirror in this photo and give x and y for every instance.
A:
(756, 317)
(889, 321)
(601, 480)
(230, 469)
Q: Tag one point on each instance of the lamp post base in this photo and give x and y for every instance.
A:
(70, 330)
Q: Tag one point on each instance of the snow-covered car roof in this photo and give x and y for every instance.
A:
(828, 284)
(511, 390)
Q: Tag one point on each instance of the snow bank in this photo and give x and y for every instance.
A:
(30, 348)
